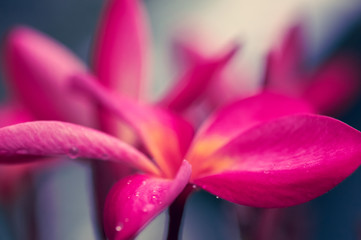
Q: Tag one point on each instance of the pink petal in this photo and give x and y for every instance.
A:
(284, 162)
(120, 59)
(38, 68)
(335, 85)
(165, 136)
(236, 118)
(195, 80)
(14, 179)
(28, 142)
(284, 62)
(12, 114)
(135, 200)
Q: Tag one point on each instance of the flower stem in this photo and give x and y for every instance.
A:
(176, 210)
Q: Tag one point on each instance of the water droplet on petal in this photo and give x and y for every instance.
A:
(129, 182)
(194, 186)
(144, 182)
(137, 194)
(148, 207)
(73, 152)
(126, 220)
(119, 227)
(22, 151)
(217, 197)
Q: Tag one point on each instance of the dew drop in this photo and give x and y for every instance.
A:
(73, 152)
(144, 182)
(217, 197)
(126, 220)
(128, 197)
(194, 186)
(22, 151)
(154, 197)
(119, 227)
(148, 207)
(137, 194)
(129, 182)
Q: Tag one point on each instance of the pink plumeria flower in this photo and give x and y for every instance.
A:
(39, 70)
(330, 87)
(264, 151)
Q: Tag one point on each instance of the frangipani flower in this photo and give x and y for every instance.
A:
(264, 151)
(39, 70)
(330, 87)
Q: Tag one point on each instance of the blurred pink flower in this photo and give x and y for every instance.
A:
(330, 87)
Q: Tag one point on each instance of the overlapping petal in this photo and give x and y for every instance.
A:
(165, 136)
(284, 63)
(193, 84)
(284, 162)
(335, 85)
(135, 200)
(38, 69)
(120, 59)
(235, 118)
(31, 141)
(13, 114)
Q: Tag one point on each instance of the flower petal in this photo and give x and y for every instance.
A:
(12, 114)
(135, 200)
(283, 66)
(236, 118)
(165, 136)
(38, 68)
(335, 85)
(120, 59)
(192, 84)
(27, 142)
(284, 162)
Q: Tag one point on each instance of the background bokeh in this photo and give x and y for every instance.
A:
(63, 197)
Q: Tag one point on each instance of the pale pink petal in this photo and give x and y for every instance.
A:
(284, 162)
(193, 84)
(120, 59)
(235, 118)
(38, 69)
(27, 142)
(164, 135)
(14, 113)
(135, 200)
(335, 85)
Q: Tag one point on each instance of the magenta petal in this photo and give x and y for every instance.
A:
(335, 85)
(285, 162)
(120, 58)
(38, 68)
(165, 135)
(27, 142)
(13, 114)
(193, 83)
(237, 117)
(135, 200)
(284, 62)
